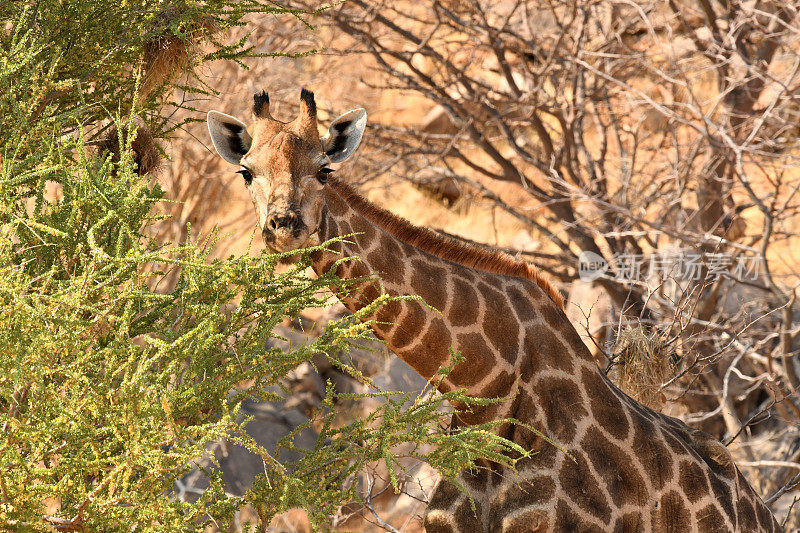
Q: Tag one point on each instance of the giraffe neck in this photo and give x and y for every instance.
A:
(508, 327)
(626, 467)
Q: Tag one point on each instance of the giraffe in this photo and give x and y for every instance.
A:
(619, 466)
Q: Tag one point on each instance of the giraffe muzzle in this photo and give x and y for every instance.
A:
(288, 221)
(285, 231)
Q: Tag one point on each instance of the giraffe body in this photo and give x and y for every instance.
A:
(628, 468)
(631, 468)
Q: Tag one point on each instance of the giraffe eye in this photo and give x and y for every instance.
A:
(246, 174)
(322, 174)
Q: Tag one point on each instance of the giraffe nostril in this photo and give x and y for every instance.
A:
(288, 221)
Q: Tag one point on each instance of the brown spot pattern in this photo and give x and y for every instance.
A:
(467, 274)
(444, 494)
(500, 386)
(534, 491)
(464, 311)
(494, 281)
(386, 264)
(569, 522)
(692, 481)
(324, 263)
(676, 445)
(765, 518)
(530, 521)
(714, 454)
(559, 400)
(367, 231)
(344, 230)
(433, 349)
(723, 495)
(411, 322)
(528, 366)
(386, 317)
(673, 512)
(435, 525)
(577, 483)
(748, 520)
(545, 349)
(434, 244)
(526, 411)
(500, 324)
(652, 454)
(476, 479)
(710, 520)
(367, 292)
(544, 454)
(521, 304)
(336, 206)
(467, 518)
(429, 282)
(478, 360)
(629, 523)
(563, 406)
(606, 407)
(616, 469)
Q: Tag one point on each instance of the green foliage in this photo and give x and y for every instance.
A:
(320, 480)
(82, 57)
(110, 385)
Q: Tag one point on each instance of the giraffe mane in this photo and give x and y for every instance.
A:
(496, 262)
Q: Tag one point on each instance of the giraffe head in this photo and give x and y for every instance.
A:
(285, 165)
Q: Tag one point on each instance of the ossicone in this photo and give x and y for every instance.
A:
(307, 120)
(261, 105)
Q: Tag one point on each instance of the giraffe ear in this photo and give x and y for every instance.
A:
(229, 136)
(344, 135)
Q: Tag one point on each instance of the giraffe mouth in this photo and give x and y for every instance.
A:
(286, 240)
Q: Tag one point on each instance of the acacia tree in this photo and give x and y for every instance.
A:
(630, 129)
(122, 356)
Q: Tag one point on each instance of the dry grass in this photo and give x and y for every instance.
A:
(147, 152)
(167, 56)
(642, 358)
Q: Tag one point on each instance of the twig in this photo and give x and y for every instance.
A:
(368, 504)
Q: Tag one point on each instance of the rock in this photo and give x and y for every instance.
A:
(271, 422)
(307, 388)
(398, 376)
